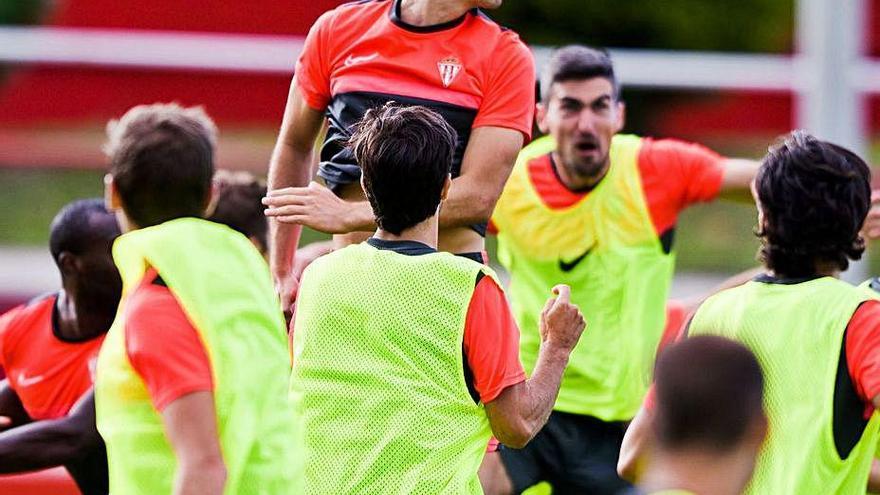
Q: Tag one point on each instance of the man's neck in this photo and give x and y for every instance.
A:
(423, 13)
(425, 233)
(76, 322)
(698, 472)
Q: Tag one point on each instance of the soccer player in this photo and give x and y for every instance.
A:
(191, 380)
(48, 348)
(817, 337)
(239, 205)
(443, 54)
(405, 359)
(596, 210)
(707, 427)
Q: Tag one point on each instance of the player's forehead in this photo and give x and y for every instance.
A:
(583, 90)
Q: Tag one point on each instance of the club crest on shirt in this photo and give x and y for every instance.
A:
(449, 68)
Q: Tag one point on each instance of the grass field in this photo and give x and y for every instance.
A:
(713, 238)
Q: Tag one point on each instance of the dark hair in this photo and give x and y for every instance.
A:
(405, 155)
(239, 204)
(814, 197)
(162, 161)
(708, 391)
(578, 62)
(81, 225)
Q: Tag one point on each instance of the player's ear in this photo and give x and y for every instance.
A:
(67, 264)
(621, 116)
(211, 200)
(112, 201)
(446, 185)
(541, 117)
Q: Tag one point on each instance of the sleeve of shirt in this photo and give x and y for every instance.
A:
(491, 341)
(677, 174)
(509, 96)
(312, 71)
(6, 321)
(863, 350)
(164, 348)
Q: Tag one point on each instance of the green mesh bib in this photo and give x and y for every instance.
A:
(224, 287)
(378, 386)
(606, 248)
(796, 332)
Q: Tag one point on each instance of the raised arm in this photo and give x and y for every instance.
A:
(487, 162)
(737, 179)
(191, 427)
(521, 410)
(291, 166)
(49, 443)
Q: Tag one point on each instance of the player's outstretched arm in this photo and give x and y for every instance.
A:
(50, 443)
(737, 180)
(521, 410)
(634, 446)
(191, 427)
(488, 160)
(290, 166)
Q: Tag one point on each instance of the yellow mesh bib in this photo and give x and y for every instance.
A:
(796, 332)
(378, 385)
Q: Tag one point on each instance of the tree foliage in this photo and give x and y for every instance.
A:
(723, 25)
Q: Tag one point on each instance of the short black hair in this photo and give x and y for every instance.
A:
(81, 225)
(577, 63)
(709, 390)
(405, 155)
(162, 161)
(814, 197)
(239, 204)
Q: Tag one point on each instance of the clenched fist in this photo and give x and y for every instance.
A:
(561, 321)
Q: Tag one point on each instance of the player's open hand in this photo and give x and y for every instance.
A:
(313, 206)
(561, 321)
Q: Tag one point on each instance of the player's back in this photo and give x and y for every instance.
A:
(378, 381)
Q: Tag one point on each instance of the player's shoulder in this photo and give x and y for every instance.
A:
(22, 318)
(357, 15)
(504, 38)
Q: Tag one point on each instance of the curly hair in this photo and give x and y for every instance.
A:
(814, 197)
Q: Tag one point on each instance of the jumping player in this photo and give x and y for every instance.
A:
(192, 377)
(442, 54)
(49, 347)
(597, 210)
(405, 359)
(817, 337)
(708, 427)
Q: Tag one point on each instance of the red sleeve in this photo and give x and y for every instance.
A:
(7, 320)
(509, 98)
(675, 175)
(676, 314)
(164, 347)
(491, 341)
(863, 350)
(313, 67)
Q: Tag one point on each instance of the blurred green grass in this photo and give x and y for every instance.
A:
(716, 237)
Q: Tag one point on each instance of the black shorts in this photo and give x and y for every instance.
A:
(576, 454)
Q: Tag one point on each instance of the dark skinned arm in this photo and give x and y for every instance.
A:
(50, 443)
(12, 412)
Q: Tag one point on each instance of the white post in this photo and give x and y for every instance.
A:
(830, 39)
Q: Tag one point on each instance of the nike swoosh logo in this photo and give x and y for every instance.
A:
(351, 60)
(24, 381)
(567, 266)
